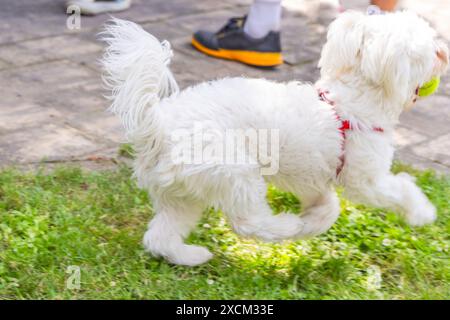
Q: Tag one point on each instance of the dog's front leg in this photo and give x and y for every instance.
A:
(395, 192)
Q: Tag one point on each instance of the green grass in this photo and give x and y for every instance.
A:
(95, 220)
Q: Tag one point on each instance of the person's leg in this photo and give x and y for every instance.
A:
(93, 7)
(264, 16)
(254, 40)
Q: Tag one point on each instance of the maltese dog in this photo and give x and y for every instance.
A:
(220, 143)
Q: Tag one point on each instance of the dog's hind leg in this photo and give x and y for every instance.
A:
(251, 216)
(320, 216)
(166, 232)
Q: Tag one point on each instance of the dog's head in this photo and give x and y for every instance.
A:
(395, 52)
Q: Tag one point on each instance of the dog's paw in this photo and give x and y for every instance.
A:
(152, 244)
(175, 252)
(421, 216)
(282, 226)
(191, 256)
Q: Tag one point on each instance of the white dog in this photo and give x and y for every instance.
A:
(371, 67)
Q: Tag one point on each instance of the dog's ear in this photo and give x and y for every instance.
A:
(341, 52)
(386, 64)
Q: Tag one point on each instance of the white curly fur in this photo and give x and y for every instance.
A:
(371, 66)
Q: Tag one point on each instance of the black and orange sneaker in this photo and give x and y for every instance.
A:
(232, 43)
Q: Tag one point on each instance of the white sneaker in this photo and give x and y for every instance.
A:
(93, 7)
(373, 9)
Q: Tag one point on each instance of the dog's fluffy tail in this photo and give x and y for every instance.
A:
(136, 71)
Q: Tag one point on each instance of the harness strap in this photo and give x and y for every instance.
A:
(345, 126)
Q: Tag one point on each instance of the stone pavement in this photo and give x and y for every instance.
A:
(52, 107)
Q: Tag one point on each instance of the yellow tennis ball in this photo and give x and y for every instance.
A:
(430, 87)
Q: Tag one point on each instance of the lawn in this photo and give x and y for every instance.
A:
(54, 221)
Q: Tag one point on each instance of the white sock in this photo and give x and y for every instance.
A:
(264, 16)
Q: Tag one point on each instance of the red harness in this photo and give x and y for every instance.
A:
(345, 126)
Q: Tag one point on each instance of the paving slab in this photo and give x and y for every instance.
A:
(48, 49)
(49, 141)
(438, 150)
